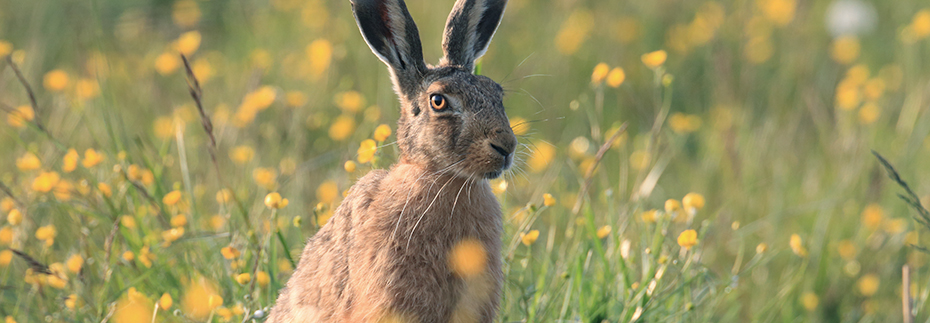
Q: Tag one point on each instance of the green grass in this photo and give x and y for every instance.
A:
(756, 112)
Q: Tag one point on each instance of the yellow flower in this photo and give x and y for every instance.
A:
(217, 222)
(230, 252)
(350, 101)
(86, 89)
(69, 161)
(6, 236)
(274, 201)
(327, 192)
(242, 154)
(179, 220)
(468, 258)
(687, 239)
(684, 123)
(639, 160)
(382, 133)
(7, 204)
(165, 301)
(75, 263)
(349, 166)
(872, 216)
(548, 200)
(172, 235)
(603, 231)
(129, 256)
(868, 284)
(185, 13)
(199, 299)
(17, 118)
(171, 198)
(295, 99)
(693, 201)
(762, 247)
(262, 278)
(163, 127)
(574, 31)
(342, 128)
(45, 182)
(188, 42)
(224, 196)
(616, 77)
(672, 206)
(14, 217)
(649, 216)
(367, 150)
(654, 59)
(6, 256)
(519, 126)
(92, 158)
(845, 49)
(920, 24)
(543, 154)
(105, 189)
(265, 177)
(319, 53)
(874, 88)
(779, 12)
(72, 301)
(133, 307)
(55, 80)
(599, 73)
(28, 162)
(809, 301)
(895, 226)
(868, 113)
(244, 278)
(847, 250)
(5, 48)
(797, 245)
(530, 237)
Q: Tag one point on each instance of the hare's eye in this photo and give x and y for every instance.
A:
(437, 101)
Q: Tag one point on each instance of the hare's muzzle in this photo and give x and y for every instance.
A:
(502, 144)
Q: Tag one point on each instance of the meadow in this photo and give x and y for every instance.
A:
(685, 161)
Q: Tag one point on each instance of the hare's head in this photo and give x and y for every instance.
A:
(450, 119)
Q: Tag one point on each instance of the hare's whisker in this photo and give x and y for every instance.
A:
(407, 202)
(414, 230)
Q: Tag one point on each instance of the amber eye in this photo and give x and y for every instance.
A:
(437, 101)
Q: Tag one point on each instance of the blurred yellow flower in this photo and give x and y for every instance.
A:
(188, 42)
(528, 238)
(809, 301)
(229, 252)
(92, 158)
(242, 154)
(672, 206)
(5, 48)
(185, 13)
(543, 152)
(895, 226)
(167, 63)
(46, 233)
(6, 236)
(639, 160)
(872, 216)
(105, 189)
(203, 70)
(654, 59)
(574, 31)
(69, 161)
(779, 12)
(519, 126)
(319, 53)
(217, 222)
(295, 99)
(172, 235)
(165, 301)
(327, 192)
(163, 127)
(762, 247)
(133, 307)
(845, 49)
(649, 216)
(599, 73)
(6, 256)
(200, 298)
(7, 204)
(687, 239)
(350, 101)
(262, 278)
(72, 301)
(18, 117)
(86, 89)
(75, 263)
(548, 200)
(15, 217)
(28, 161)
(224, 196)
(45, 182)
(847, 96)
(684, 123)
(468, 258)
(797, 245)
(366, 151)
(171, 198)
(349, 166)
(616, 77)
(341, 128)
(382, 133)
(274, 201)
(129, 256)
(56, 80)
(846, 249)
(758, 49)
(265, 177)
(128, 221)
(603, 231)
(874, 88)
(868, 284)
(243, 278)
(179, 220)
(920, 24)
(868, 113)
(693, 201)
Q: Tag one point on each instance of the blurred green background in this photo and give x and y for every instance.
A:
(765, 110)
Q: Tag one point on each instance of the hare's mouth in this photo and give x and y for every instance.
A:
(493, 175)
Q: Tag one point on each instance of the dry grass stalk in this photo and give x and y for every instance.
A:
(597, 160)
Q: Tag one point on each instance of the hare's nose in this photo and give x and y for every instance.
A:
(501, 150)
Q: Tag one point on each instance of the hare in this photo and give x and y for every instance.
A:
(385, 254)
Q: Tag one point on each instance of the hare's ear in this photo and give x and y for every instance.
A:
(469, 29)
(392, 35)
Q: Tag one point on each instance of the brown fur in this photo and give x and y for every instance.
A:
(385, 252)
